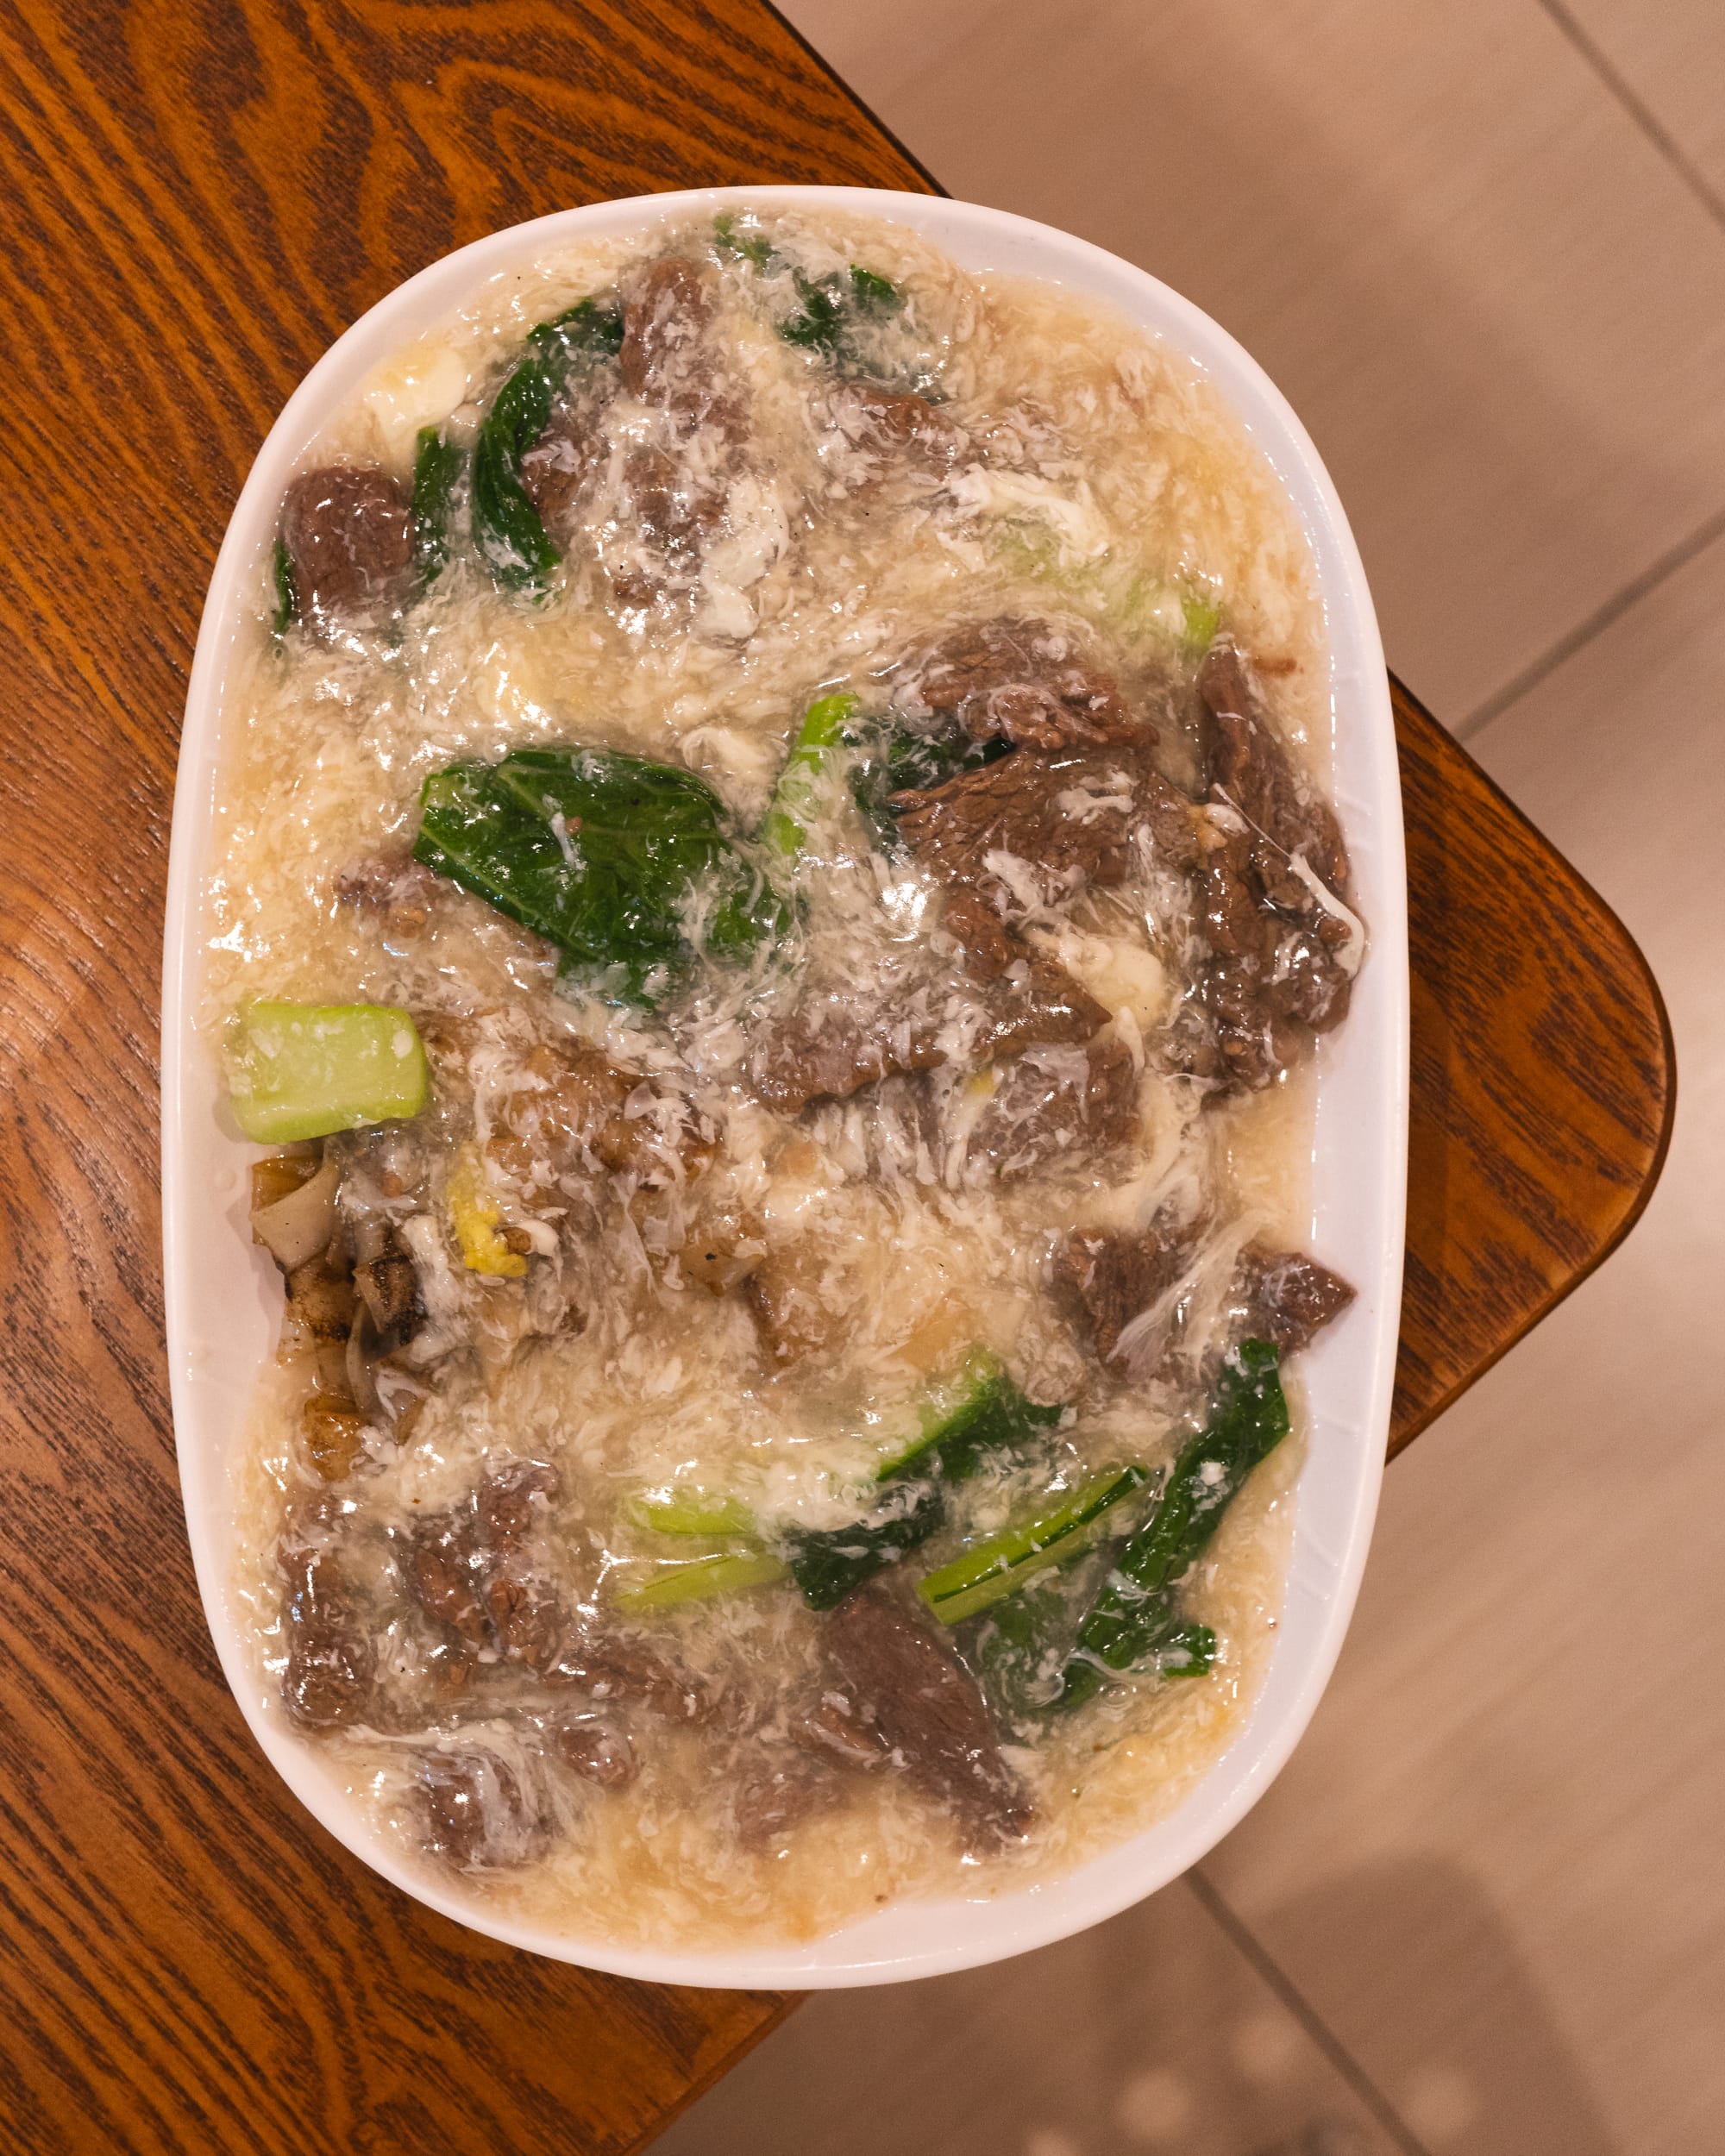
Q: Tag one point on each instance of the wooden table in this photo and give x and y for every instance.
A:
(198, 198)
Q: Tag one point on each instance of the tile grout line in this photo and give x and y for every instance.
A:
(1246, 1943)
(1642, 113)
(1601, 619)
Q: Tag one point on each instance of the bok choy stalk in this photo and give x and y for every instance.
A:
(1060, 1529)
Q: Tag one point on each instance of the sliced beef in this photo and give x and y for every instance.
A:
(555, 470)
(883, 420)
(613, 1668)
(1037, 1003)
(824, 1048)
(1284, 1296)
(666, 358)
(444, 1567)
(1072, 816)
(331, 1673)
(599, 1750)
(1107, 1280)
(778, 1795)
(514, 1502)
(835, 1731)
(1250, 767)
(475, 1813)
(349, 532)
(472, 1570)
(1024, 682)
(988, 946)
(397, 890)
(676, 511)
(896, 1666)
(1055, 1103)
(578, 1113)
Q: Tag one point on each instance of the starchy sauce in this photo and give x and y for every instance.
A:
(969, 1061)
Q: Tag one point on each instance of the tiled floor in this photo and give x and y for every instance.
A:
(1482, 1913)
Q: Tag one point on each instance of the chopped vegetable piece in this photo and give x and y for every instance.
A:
(831, 305)
(1189, 1651)
(753, 247)
(301, 1070)
(620, 862)
(1133, 1617)
(437, 466)
(286, 597)
(979, 1413)
(821, 732)
(1202, 617)
(476, 1217)
(828, 1563)
(507, 529)
(1003, 1564)
(678, 1511)
(695, 1579)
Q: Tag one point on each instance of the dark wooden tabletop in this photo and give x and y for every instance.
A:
(198, 198)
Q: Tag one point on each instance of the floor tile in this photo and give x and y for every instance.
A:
(1496, 1867)
(1152, 2032)
(1670, 54)
(1500, 312)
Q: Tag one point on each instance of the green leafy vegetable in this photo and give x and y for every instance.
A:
(1005, 1563)
(979, 1414)
(437, 467)
(828, 308)
(826, 1564)
(300, 1070)
(821, 733)
(1134, 1616)
(286, 597)
(622, 863)
(507, 529)
(753, 247)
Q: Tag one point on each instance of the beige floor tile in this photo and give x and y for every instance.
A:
(1672, 55)
(1496, 1867)
(1151, 2033)
(1500, 312)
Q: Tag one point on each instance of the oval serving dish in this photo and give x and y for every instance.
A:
(222, 1294)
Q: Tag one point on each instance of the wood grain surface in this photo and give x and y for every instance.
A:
(197, 197)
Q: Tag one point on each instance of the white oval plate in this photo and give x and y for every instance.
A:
(223, 1301)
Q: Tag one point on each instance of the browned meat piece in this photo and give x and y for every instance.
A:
(664, 322)
(882, 419)
(1108, 1280)
(443, 1569)
(780, 1795)
(1072, 815)
(475, 1813)
(331, 1670)
(1039, 1003)
(511, 1503)
(792, 1315)
(834, 1731)
(611, 1667)
(333, 1430)
(1250, 767)
(824, 1048)
(526, 1616)
(398, 890)
(1024, 681)
(1055, 1102)
(904, 1679)
(988, 945)
(582, 1113)
(600, 1751)
(559, 465)
(349, 533)
(1284, 1296)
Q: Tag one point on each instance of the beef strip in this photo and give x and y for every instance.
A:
(1038, 1003)
(833, 1730)
(443, 1567)
(349, 532)
(475, 1813)
(599, 1750)
(1073, 815)
(513, 1502)
(1284, 1296)
(472, 1572)
(897, 1668)
(1024, 682)
(1108, 1280)
(331, 1672)
(882, 419)
(988, 945)
(555, 470)
(1055, 1102)
(777, 1795)
(1250, 767)
(784, 1296)
(612, 1668)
